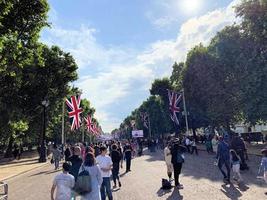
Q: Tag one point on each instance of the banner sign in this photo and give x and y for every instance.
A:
(137, 133)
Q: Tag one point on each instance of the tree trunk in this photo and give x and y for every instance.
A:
(8, 153)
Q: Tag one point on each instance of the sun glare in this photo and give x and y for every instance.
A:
(190, 6)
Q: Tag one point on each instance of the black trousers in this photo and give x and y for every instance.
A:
(177, 171)
(194, 149)
(115, 172)
(128, 164)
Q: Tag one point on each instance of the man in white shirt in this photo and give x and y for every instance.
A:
(63, 182)
(105, 164)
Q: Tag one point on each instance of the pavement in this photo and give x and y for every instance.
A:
(10, 167)
(201, 180)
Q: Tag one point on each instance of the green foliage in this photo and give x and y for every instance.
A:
(224, 83)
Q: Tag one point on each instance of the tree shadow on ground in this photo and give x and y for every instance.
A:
(202, 166)
(19, 162)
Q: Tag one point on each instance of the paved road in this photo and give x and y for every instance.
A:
(200, 179)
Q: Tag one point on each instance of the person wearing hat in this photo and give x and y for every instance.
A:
(263, 166)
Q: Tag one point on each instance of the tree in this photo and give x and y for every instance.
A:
(253, 30)
(176, 77)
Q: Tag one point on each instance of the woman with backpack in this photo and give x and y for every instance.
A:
(177, 152)
(96, 178)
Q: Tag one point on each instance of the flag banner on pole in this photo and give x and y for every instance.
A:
(144, 118)
(89, 123)
(74, 110)
(174, 105)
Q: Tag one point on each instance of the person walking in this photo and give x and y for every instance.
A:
(214, 143)
(67, 153)
(177, 153)
(105, 164)
(128, 156)
(63, 183)
(56, 156)
(188, 144)
(168, 161)
(194, 146)
(263, 166)
(235, 162)
(96, 177)
(76, 162)
(116, 158)
(223, 158)
(239, 146)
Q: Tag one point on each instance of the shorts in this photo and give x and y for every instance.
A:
(169, 168)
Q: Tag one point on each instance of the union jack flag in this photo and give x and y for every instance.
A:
(144, 118)
(89, 123)
(74, 110)
(174, 101)
(96, 131)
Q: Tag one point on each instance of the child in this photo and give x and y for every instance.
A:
(263, 165)
(235, 161)
(63, 182)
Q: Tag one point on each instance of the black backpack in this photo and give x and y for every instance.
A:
(166, 185)
(83, 183)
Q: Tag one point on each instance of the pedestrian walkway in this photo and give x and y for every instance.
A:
(10, 168)
(201, 180)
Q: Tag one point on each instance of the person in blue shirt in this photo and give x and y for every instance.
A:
(223, 158)
(263, 166)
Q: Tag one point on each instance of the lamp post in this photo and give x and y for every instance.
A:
(42, 158)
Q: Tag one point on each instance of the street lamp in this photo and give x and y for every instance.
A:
(42, 158)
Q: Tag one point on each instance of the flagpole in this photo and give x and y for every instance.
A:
(186, 120)
(62, 129)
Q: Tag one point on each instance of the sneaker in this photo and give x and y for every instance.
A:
(114, 186)
(180, 186)
(119, 184)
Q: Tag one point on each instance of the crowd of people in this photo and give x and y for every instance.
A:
(230, 153)
(99, 164)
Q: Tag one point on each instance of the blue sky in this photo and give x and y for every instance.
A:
(121, 46)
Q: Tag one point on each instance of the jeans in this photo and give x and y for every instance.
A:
(106, 189)
(177, 170)
(226, 163)
(56, 163)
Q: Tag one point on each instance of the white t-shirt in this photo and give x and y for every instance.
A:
(104, 162)
(64, 184)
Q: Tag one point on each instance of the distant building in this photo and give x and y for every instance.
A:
(245, 128)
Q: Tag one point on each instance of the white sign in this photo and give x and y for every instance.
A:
(137, 133)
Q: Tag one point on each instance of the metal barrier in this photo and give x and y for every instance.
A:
(4, 192)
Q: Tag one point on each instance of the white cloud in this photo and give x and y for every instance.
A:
(109, 74)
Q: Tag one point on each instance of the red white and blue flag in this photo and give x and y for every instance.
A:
(89, 123)
(74, 110)
(174, 105)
